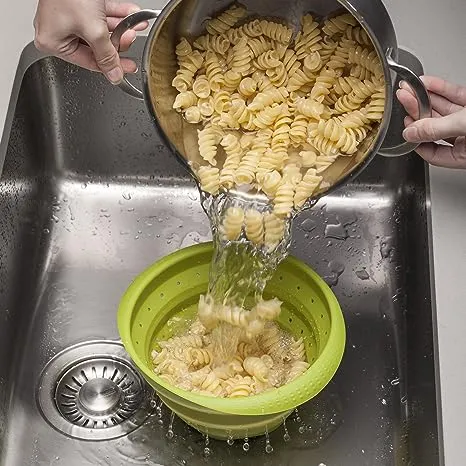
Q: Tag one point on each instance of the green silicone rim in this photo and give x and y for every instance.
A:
(281, 399)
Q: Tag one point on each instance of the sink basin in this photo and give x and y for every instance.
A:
(90, 196)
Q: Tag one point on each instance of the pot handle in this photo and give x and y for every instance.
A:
(127, 23)
(425, 107)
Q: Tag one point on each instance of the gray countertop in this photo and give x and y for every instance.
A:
(435, 32)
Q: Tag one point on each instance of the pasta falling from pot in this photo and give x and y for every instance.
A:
(273, 114)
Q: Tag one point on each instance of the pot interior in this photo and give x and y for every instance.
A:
(187, 18)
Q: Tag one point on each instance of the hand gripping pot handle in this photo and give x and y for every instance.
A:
(127, 23)
(425, 108)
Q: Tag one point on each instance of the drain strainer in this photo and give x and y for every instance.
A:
(92, 392)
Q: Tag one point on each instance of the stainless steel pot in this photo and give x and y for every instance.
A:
(187, 18)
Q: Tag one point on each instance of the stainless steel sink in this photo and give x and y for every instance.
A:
(90, 196)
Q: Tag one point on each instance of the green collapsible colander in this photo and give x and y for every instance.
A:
(163, 299)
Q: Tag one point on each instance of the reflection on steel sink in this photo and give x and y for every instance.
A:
(89, 197)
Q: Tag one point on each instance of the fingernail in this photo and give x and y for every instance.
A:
(403, 84)
(411, 134)
(134, 9)
(115, 76)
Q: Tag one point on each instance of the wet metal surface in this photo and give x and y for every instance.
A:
(89, 197)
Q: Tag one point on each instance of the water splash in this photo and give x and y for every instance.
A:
(239, 268)
(230, 441)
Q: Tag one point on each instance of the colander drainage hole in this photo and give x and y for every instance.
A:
(92, 392)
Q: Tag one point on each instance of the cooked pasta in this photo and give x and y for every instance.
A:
(208, 139)
(226, 20)
(269, 181)
(276, 31)
(268, 360)
(189, 65)
(268, 309)
(283, 201)
(241, 57)
(339, 24)
(209, 178)
(297, 368)
(309, 38)
(185, 100)
(256, 367)
(234, 152)
(215, 43)
(233, 223)
(254, 226)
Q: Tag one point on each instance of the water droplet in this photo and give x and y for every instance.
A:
(384, 401)
(46, 231)
(286, 435)
(126, 196)
(207, 450)
(246, 444)
(302, 429)
(308, 225)
(297, 418)
(170, 433)
(362, 274)
(386, 247)
(336, 231)
(395, 382)
(336, 268)
(84, 186)
(158, 410)
(268, 446)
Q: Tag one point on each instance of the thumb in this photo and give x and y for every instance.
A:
(106, 56)
(436, 129)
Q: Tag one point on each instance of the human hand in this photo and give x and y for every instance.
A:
(443, 136)
(78, 31)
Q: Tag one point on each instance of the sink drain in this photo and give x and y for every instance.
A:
(92, 392)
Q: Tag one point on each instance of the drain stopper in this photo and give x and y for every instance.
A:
(99, 397)
(92, 392)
